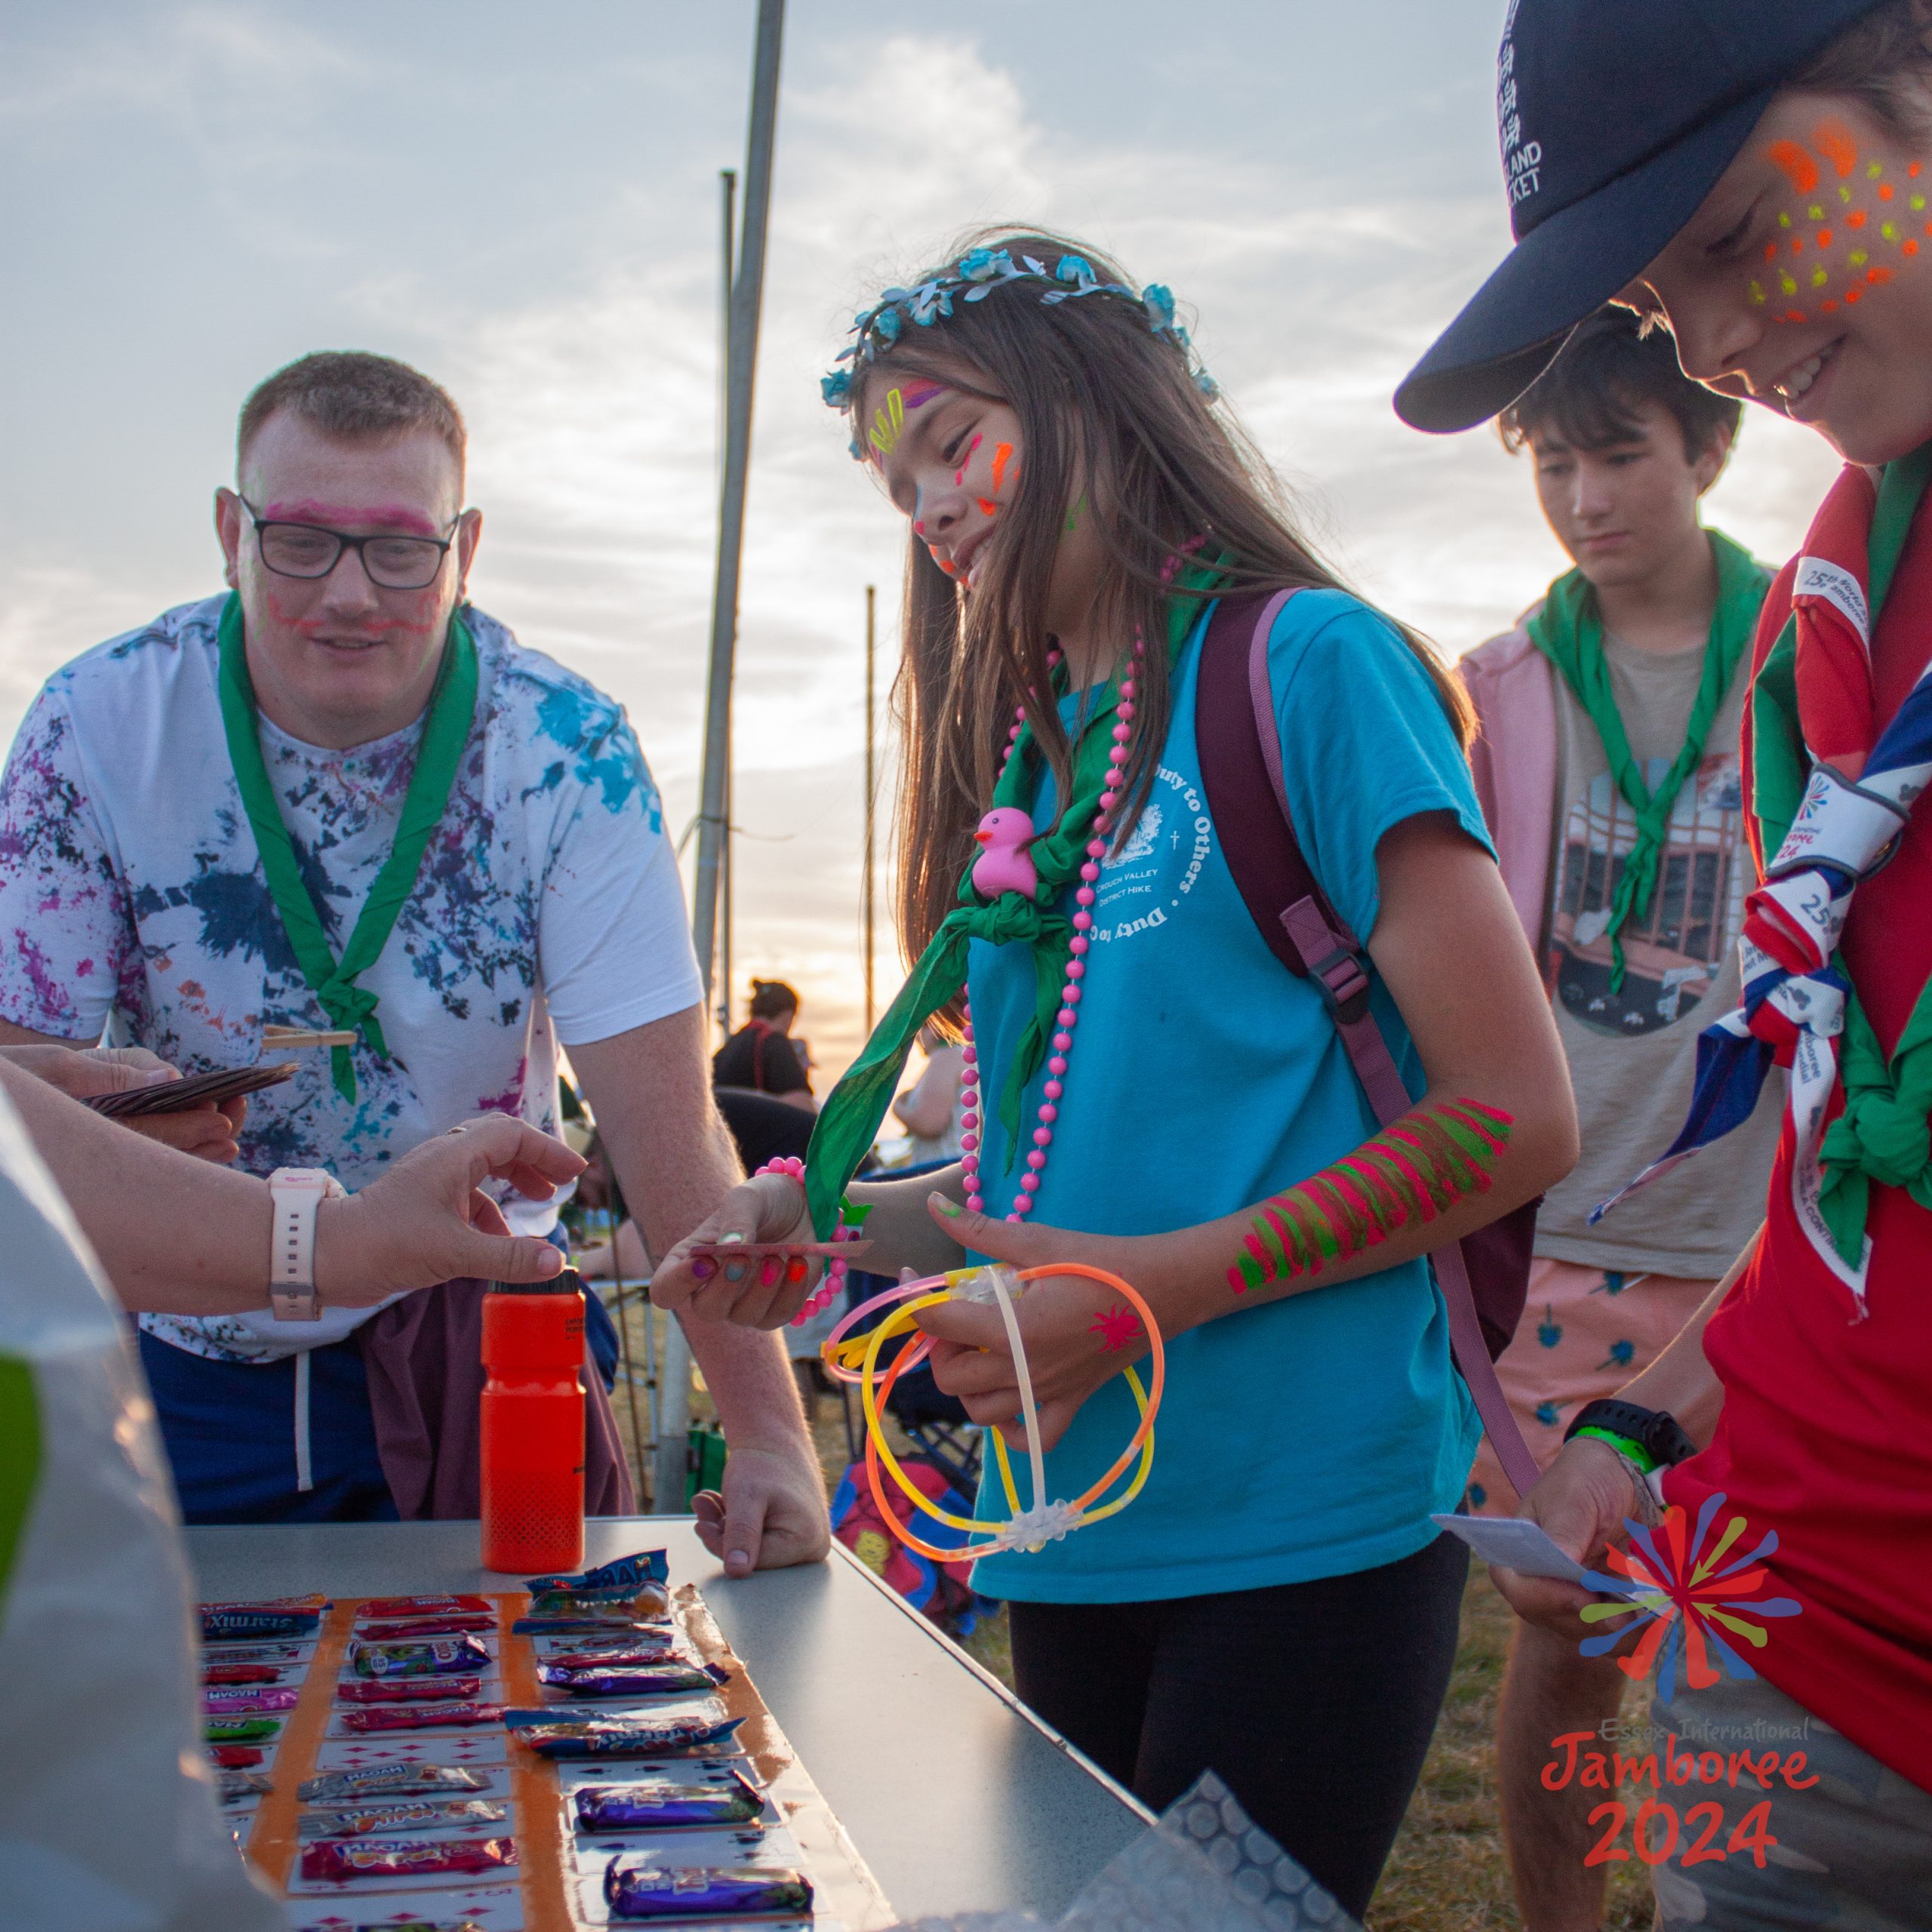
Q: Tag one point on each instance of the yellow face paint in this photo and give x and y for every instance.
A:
(1798, 291)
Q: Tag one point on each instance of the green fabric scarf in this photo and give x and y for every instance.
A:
(445, 731)
(851, 1115)
(1568, 630)
(1882, 1135)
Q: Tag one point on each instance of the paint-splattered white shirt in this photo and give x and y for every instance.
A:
(132, 901)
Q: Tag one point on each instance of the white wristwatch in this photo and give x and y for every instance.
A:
(294, 1195)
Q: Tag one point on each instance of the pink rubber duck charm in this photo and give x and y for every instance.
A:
(1005, 865)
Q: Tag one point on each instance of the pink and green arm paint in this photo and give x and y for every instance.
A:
(1416, 1168)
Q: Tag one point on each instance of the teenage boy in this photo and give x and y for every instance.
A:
(340, 796)
(1607, 766)
(1754, 177)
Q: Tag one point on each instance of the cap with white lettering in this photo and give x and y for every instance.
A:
(1615, 119)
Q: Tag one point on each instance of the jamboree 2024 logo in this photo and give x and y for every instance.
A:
(1696, 1602)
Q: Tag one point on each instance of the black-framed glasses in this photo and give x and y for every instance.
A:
(310, 550)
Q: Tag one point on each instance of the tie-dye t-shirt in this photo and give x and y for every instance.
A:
(548, 907)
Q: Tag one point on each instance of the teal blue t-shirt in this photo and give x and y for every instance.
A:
(1311, 1436)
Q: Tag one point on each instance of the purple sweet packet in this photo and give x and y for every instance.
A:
(655, 1681)
(726, 1797)
(647, 1890)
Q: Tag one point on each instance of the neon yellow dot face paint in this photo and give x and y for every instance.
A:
(1849, 230)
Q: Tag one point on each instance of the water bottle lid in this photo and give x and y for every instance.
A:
(568, 1283)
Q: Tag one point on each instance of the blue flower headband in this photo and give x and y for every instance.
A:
(978, 273)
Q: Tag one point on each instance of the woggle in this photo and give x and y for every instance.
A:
(855, 1358)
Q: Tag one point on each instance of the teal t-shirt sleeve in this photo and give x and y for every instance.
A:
(1365, 743)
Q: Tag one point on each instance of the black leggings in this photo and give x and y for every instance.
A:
(1314, 1701)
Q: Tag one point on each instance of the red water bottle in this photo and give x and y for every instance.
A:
(532, 1427)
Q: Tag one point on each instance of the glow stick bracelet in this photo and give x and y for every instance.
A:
(840, 1349)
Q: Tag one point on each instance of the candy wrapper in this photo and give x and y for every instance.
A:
(445, 1657)
(620, 1652)
(618, 1623)
(430, 1606)
(368, 1781)
(407, 1689)
(233, 1757)
(218, 1702)
(409, 1925)
(642, 1601)
(640, 1889)
(641, 1566)
(242, 1673)
(336, 1861)
(283, 1617)
(420, 1717)
(423, 1815)
(240, 1730)
(725, 1798)
(460, 1623)
(655, 1681)
(631, 1735)
(237, 1787)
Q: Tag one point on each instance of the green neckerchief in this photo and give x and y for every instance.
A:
(445, 731)
(1882, 1134)
(1568, 630)
(851, 1116)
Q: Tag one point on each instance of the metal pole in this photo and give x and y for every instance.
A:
(728, 183)
(747, 296)
(868, 887)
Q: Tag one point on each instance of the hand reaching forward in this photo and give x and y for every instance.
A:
(427, 1220)
(760, 1290)
(1582, 1500)
(772, 1513)
(1078, 1333)
(209, 1132)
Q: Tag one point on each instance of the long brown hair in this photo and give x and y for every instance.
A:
(1106, 404)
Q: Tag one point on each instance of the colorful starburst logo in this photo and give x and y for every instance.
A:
(1687, 1596)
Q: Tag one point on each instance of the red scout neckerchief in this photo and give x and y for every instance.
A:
(1830, 794)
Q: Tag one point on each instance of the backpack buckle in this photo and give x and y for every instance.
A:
(1344, 984)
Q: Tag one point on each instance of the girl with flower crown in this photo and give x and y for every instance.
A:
(1148, 1090)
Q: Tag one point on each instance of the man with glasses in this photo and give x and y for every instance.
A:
(340, 797)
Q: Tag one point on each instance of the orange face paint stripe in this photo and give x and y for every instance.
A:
(1833, 140)
(1794, 165)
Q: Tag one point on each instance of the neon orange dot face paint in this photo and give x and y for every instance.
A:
(1833, 186)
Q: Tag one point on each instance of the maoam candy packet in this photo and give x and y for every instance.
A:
(413, 1815)
(376, 1862)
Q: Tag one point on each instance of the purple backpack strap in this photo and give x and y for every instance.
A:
(1241, 755)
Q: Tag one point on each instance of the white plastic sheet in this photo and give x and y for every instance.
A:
(108, 1819)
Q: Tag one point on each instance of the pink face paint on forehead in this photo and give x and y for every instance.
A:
(354, 517)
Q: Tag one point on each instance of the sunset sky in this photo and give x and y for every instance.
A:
(523, 201)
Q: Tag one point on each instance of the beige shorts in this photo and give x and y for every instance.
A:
(1584, 1333)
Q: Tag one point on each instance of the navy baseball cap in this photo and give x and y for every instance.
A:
(1616, 118)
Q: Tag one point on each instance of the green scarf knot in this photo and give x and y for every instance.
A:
(851, 1116)
(1883, 1138)
(1568, 630)
(445, 732)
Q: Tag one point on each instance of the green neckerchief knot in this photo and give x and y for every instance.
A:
(851, 1115)
(1882, 1135)
(445, 732)
(1568, 630)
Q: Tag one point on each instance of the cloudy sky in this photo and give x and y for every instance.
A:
(523, 201)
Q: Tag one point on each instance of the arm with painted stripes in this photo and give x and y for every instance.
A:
(1495, 1126)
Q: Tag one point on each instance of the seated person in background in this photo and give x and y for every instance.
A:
(340, 796)
(761, 1056)
(1607, 768)
(929, 1109)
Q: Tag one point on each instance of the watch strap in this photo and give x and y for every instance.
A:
(295, 1195)
(1659, 1432)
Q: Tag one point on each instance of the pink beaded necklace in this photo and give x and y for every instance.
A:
(1068, 1017)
